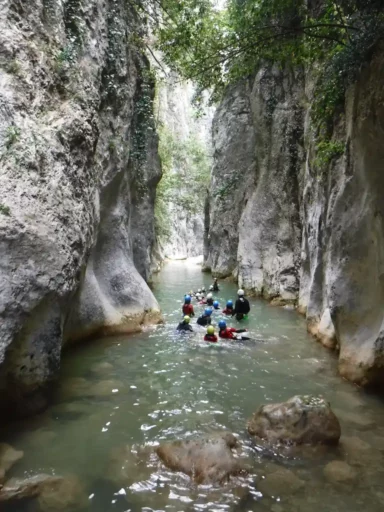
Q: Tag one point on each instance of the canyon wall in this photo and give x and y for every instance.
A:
(79, 170)
(297, 232)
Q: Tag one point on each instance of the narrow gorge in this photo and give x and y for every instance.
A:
(146, 148)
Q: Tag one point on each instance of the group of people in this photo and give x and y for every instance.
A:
(240, 310)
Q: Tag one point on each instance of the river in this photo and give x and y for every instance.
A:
(148, 388)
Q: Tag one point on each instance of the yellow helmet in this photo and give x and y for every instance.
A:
(210, 329)
(187, 319)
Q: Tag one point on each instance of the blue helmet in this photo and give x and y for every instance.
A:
(222, 324)
(229, 304)
(216, 304)
(208, 312)
(187, 299)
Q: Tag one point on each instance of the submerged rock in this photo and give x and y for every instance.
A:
(102, 367)
(206, 460)
(280, 483)
(53, 493)
(8, 457)
(300, 420)
(338, 472)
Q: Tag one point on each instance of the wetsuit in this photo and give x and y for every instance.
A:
(241, 308)
(210, 337)
(188, 310)
(216, 287)
(184, 327)
(229, 333)
(228, 311)
(204, 320)
(209, 302)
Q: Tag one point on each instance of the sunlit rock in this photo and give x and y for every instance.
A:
(300, 420)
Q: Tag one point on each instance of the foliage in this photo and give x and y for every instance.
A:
(12, 136)
(326, 151)
(5, 210)
(186, 173)
(218, 47)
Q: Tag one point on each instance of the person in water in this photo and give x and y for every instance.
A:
(187, 306)
(215, 285)
(185, 325)
(208, 300)
(216, 304)
(228, 308)
(210, 336)
(242, 307)
(230, 333)
(205, 318)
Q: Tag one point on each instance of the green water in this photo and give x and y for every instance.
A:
(161, 386)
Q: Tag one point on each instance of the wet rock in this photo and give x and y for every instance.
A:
(280, 482)
(102, 367)
(356, 451)
(17, 489)
(207, 460)
(79, 387)
(300, 420)
(64, 494)
(338, 472)
(53, 493)
(8, 457)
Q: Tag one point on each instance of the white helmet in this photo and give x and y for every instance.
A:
(199, 290)
(209, 296)
(203, 289)
(240, 293)
(211, 287)
(198, 296)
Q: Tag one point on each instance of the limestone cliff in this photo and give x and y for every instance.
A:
(293, 233)
(79, 169)
(180, 130)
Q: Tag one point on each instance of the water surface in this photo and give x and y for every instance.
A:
(160, 386)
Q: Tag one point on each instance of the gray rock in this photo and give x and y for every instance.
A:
(300, 420)
(18, 489)
(208, 460)
(294, 231)
(79, 172)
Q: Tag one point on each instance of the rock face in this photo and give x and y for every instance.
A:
(79, 169)
(293, 230)
(204, 460)
(176, 114)
(300, 420)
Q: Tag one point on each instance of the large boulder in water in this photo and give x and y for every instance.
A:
(207, 460)
(300, 420)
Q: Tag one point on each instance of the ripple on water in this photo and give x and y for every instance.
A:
(121, 397)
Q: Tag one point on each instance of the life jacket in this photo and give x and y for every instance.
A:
(228, 311)
(227, 333)
(204, 320)
(210, 337)
(188, 309)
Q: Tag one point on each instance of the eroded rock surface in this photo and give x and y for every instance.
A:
(300, 420)
(79, 168)
(294, 230)
(207, 460)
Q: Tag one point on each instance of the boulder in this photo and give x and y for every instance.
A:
(300, 420)
(102, 367)
(280, 482)
(53, 493)
(206, 460)
(18, 488)
(338, 472)
(8, 457)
